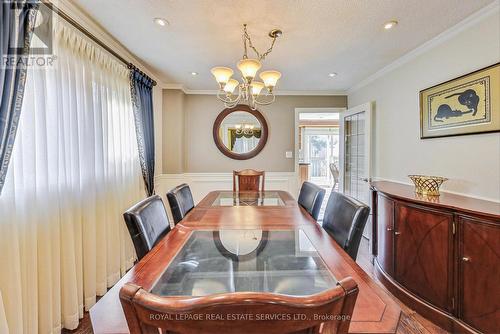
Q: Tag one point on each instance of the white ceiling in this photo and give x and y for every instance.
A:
(319, 36)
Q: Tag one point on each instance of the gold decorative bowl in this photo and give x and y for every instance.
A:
(427, 185)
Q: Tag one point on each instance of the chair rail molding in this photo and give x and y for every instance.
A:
(203, 183)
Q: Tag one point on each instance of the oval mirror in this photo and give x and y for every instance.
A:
(240, 132)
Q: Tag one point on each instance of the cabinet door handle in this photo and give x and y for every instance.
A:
(397, 233)
(466, 259)
(389, 229)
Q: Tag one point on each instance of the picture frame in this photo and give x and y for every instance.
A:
(466, 105)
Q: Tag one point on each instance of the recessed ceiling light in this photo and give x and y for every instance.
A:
(194, 74)
(331, 75)
(390, 24)
(161, 22)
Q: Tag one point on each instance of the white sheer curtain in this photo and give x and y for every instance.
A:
(73, 172)
(244, 145)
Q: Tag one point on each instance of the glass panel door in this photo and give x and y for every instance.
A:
(321, 148)
(355, 135)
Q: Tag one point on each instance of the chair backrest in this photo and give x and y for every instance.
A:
(344, 220)
(310, 198)
(147, 223)
(243, 311)
(248, 180)
(335, 173)
(181, 201)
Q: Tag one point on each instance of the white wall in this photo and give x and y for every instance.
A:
(203, 183)
(472, 163)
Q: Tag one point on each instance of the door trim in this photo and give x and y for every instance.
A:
(368, 108)
(296, 130)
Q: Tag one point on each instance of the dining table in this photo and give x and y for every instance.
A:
(227, 226)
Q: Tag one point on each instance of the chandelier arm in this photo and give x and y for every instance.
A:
(230, 105)
(227, 99)
(265, 103)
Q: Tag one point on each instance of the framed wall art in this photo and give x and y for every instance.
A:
(466, 105)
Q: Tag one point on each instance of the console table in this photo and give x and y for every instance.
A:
(439, 255)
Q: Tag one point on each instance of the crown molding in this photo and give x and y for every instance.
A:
(173, 86)
(468, 22)
(277, 93)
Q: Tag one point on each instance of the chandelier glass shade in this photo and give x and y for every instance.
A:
(249, 90)
(222, 75)
(249, 68)
(231, 86)
(270, 79)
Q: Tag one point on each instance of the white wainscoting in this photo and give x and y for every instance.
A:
(203, 183)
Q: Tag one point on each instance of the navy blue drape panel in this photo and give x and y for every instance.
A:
(142, 100)
(16, 27)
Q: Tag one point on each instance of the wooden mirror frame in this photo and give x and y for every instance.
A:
(240, 156)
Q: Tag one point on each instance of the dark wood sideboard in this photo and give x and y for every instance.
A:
(439, 255)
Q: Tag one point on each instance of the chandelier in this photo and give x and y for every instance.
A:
(250, 91)
(244, 129)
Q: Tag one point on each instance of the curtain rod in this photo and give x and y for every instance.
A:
(78, 26)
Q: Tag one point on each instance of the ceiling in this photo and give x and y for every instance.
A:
(319, 36)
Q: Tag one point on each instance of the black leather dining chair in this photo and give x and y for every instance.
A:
(344, 220)
(147, 223)
(311, 197)
(181, 201)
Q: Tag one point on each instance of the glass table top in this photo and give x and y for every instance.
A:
(228, 260)
(267, 198)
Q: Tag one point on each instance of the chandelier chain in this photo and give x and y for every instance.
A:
(246, 37)
(245, 54)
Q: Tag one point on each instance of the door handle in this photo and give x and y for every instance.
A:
(364, 179)
(397, 233)
(389, 229)
(466, 259)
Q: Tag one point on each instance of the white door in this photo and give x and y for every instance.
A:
(355, 155)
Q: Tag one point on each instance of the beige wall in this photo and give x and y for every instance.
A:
(200, 155)
(158, 127)
(471, 162)
(173, 131)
